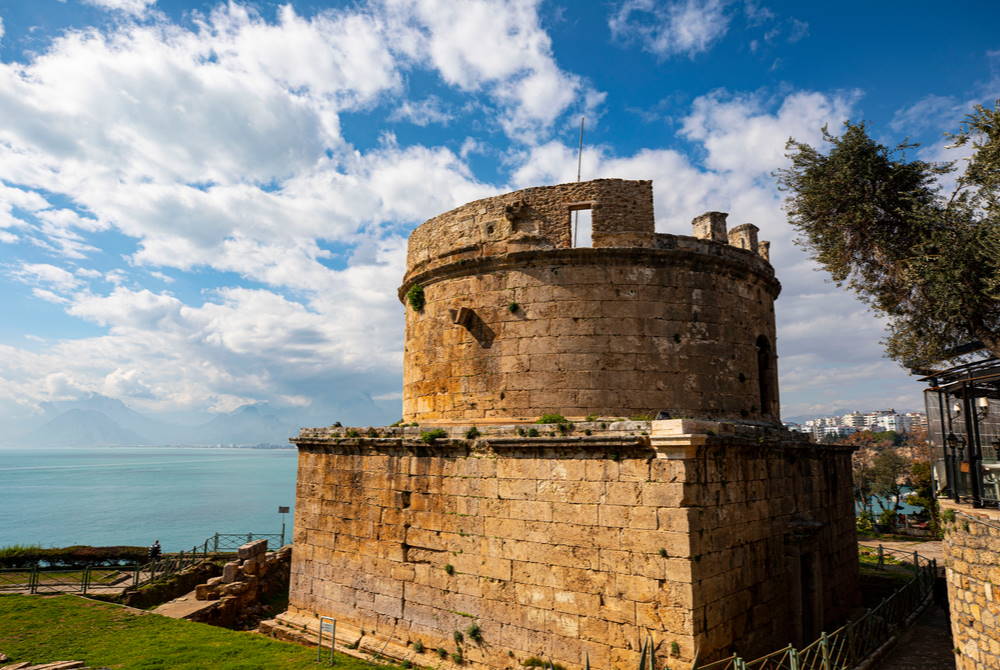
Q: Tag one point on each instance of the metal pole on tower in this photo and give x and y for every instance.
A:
(579, 165)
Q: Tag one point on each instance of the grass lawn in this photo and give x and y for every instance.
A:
(61, 628)
(97, 576)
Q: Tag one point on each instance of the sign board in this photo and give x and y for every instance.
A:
(326, 626)
(282, 510)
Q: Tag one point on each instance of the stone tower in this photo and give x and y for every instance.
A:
(472, 535)
(518, 322)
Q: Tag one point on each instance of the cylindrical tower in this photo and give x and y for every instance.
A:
(514, 321)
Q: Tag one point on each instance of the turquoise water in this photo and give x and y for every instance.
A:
(134, 495)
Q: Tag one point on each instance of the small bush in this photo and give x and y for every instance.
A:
(675, 649)
(456, 658)
(663, 552)
(418, 647)
(552, 418)
(535, 662)
(415, 296)
(474, 633)
(472, 433)
(459, 638)
(353, 433)
(533, 432)
(406, 664)
(432, 436)
(442, 652)
(513, 307)
(397, 424)
(591, 417)
(450, 569)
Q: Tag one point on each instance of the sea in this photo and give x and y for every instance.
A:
(56, 497)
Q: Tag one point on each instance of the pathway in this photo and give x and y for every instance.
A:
(926, 645)
(927, 549)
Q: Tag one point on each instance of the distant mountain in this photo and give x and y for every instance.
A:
(82, 428)
(149, 429)
(245, 425)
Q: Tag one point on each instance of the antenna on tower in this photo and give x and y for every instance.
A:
(579, 166)
(579, 154)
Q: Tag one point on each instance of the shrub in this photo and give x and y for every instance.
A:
(19, 556)
(591, 417)
(552, 418)
(472, 433)
(415, 296)
(418, 647)
(450, 569)
(474, 633)
(459, 638)
(442, 652)
(513, 307)
(353, 433)
(456, 657)
(533, 432)
(432, 436)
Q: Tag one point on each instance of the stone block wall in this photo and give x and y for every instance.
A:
(972, 568)
(516, 324)
(571, 545)
(613, 332)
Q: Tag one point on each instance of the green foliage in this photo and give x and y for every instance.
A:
(887, 517)
(864, 523)
(78, 556)
(475, 633)
(663, 552)
(406, 663)
(888, 472)
(879, 225)
(415, 296)
(472, 433)
(948, 516)
(112, 636)
(418, 647)
(535, 662)
(591, 417)
(442, 652)
(450, 569)
(397, 424)
(532, 432)
(459, 638)
(456, 657)
(513, 307)
(432, 436)
(552, 418)
(353, 433)
(675, 649)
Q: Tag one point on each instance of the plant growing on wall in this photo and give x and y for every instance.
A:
(432, 436)
(552, 418)
(415, 296)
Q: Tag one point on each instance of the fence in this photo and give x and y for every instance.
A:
(114, 579)
(849, 645)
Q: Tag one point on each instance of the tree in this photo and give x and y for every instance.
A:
(879, 224)
(888, 472)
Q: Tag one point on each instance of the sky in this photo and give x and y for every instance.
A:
(205, 205)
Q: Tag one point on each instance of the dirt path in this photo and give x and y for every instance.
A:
(927, 549)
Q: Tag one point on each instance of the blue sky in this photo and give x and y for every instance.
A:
(205, 205)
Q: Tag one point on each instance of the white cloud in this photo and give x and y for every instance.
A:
(422, 112)
(132, 7)
(676, 27)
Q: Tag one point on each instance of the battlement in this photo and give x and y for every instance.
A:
(518, 321)
(539, 218)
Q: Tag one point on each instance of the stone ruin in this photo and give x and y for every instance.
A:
(670, 505)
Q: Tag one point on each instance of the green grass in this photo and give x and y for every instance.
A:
(60, 628)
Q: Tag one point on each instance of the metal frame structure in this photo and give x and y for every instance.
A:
(963, 410)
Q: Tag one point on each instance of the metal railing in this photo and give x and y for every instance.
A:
(113, 579)
(851, 644)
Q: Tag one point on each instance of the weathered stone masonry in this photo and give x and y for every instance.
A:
(641, 323)
(571, 545)
(713, 530)
(972, 568)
